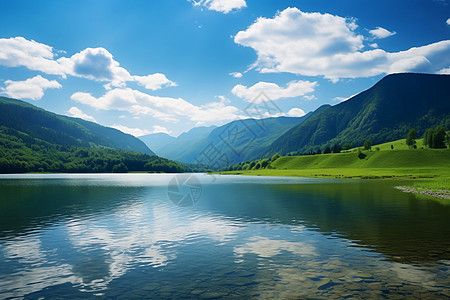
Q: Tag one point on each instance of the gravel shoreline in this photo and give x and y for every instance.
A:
(443, 194)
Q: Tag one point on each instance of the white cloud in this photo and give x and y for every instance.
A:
(316, 44)
(91, 63)
(133, 131)
(381, 33)
(448, 21)
(96, 64)
(163, 108)
(78, 113)
(343, 99)
(273, 91)
(340, 99)
(310, 97)
(154, 81)
(296, 112)
(32, 88)
(224, 6)
(236, 74)
(157, 129)
(445, 71)
(20, 52)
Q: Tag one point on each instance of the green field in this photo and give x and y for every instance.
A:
(430, 168)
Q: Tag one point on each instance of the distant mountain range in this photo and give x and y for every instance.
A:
(382, 113)
(168, 146)
(219, 146)
(56, 129)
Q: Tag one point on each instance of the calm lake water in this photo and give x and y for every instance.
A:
(136, 236)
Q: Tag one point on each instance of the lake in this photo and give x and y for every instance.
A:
(134, 236)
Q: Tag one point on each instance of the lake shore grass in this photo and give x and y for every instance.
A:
(429, 169)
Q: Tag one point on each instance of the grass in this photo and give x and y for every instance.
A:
(397, 145)
(430, 168)
(435, 185)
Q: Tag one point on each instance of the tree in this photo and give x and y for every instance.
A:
(360, 154)
(411, 138)
(447, 139)
(439, 137)
(367, 145)
(347, 146)
(275, 157)
(327, 150)
(264, 163)
(337, 148)
(435, 138)
(120, 168)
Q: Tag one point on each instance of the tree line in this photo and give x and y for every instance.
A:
(21, 153)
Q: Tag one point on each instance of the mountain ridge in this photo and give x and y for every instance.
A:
(64, 130)
(384, 112)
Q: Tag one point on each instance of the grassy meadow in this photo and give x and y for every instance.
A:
(430, 168)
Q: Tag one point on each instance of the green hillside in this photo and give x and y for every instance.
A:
(35, 140)
(380, 162)
(21, 153)
(63, 130)
(383, 113)
(427, 158)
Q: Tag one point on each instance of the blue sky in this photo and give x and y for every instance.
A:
(168, 66)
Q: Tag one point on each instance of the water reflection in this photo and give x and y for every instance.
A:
(250, 237)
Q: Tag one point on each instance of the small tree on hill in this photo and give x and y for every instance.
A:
(337, 148)
(411, 138)
(435, 138)
(360, 154)
(327, 150)
(447, 139)
(275, 157)
(367, 145)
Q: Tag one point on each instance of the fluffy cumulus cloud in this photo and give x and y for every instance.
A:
(381, 33)
(32, 88)
(295, 112)
(92, 63)
(223, 6)
(154, 81)
(163, 108)
(96, 64)
(236, 74)
(272, 91)
(78, 113)
(448, 21)
(316, 44)
(20, 52)
(132, 131)
(158, 129)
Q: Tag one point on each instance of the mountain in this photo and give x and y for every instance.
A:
(382, 113)
(157, 140)
(62, 130)
(231, 143)
(169, 146)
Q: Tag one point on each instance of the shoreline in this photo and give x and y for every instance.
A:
(442, 194)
